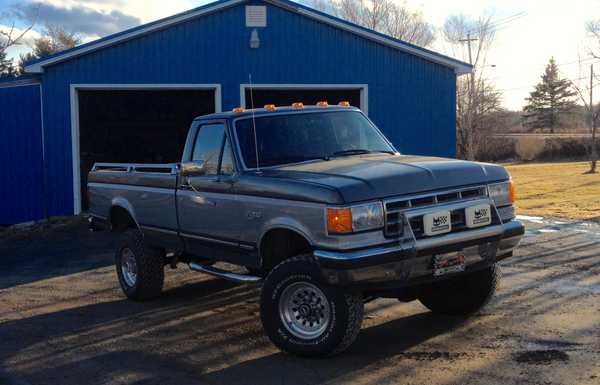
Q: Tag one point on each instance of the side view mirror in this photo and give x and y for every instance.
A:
(194, 168)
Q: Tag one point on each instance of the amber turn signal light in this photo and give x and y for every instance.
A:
(339, 221)
(512, 192)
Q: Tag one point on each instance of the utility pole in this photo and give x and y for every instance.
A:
(594, 155)
(471, 113)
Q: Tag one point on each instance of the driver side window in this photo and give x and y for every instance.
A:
(207, 147)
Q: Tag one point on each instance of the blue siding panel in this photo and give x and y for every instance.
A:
(412, 100)
(21, 176)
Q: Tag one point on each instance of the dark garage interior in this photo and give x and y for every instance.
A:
(285, 97)
(136, 126)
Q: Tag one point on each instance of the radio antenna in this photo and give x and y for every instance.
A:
(253, 122)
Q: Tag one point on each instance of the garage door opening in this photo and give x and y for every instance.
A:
(309, 95)
(136, 126)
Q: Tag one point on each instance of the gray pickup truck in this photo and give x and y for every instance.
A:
(318, 206)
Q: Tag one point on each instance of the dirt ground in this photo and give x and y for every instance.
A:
(63, 320)
(557, 190)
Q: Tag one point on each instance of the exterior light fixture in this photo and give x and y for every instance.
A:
(254, 39)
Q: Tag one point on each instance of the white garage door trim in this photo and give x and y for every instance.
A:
(364, 91)
(107, 87)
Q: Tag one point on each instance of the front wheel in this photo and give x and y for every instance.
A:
(462, 295)
(303, 316)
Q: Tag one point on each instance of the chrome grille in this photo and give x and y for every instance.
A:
(395, 207)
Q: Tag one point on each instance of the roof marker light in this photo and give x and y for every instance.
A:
(238, 110)
(344, 103)
(270, 107)
(298, 105)
(323, 104)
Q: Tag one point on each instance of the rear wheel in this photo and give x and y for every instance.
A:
(463, 295)
(303, 316)
(140, 269)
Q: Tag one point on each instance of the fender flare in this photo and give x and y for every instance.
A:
(124, 204)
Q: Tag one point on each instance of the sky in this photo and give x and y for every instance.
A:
(520, 52)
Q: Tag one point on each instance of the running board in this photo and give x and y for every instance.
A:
(235, 277)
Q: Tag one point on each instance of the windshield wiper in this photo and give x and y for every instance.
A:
(361, 151)
(355, 151)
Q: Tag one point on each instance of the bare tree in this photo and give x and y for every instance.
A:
(385, 16)
(11, 36)
(54, 39)
(586, 96)
(593, 28)
(476, 97)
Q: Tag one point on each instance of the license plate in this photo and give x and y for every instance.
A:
(477, 216)
(437, 223)
(448, 263)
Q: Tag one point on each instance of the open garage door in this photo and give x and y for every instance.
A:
(285, 95)
(136, 125)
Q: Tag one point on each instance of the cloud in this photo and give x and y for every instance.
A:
(81, 19)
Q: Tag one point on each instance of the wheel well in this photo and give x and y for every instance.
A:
(120, 219)
(280, 244)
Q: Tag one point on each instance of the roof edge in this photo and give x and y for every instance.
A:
(458, 66)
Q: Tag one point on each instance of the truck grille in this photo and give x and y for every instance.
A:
(395, 207)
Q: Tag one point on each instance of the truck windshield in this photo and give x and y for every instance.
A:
(293, 138)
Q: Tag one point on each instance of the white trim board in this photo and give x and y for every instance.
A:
(364, 91)
(458, 66)
(75, 154)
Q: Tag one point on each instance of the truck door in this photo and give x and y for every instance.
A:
(208, 210)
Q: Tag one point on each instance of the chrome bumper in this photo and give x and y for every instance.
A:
(410, 260)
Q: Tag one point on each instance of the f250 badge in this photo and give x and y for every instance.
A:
(254, 214)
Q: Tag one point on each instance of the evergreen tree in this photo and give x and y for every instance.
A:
(552, 97)
(6, 66)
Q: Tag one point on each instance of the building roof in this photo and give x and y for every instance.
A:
(22, 80)
(38, 65)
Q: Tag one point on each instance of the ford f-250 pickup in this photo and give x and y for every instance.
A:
(319, 208)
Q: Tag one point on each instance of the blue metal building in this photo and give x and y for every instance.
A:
(118, 98)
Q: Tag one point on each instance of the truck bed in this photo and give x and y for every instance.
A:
(146, 190)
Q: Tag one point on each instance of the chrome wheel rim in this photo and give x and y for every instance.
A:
(304, 310)
(128, 267)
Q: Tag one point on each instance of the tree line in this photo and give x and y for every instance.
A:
(53, 39)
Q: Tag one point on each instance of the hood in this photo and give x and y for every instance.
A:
(365, 177)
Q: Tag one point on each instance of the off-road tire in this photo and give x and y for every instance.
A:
(463, 295)
(345, 317)
(150, 267)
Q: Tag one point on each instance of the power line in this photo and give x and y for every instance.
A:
(508, 20)
(493, 27)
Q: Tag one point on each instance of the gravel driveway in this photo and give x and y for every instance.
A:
(63, 320)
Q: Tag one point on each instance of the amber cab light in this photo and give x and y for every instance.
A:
(238, 110)
(323, 104)
(298, 105)
(270, 107)
(339, 221)
(344, 104)
(512, 192)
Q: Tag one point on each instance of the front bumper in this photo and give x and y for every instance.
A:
(410, 263)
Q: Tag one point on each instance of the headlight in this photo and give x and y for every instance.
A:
(355, 218)
(503, 194)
